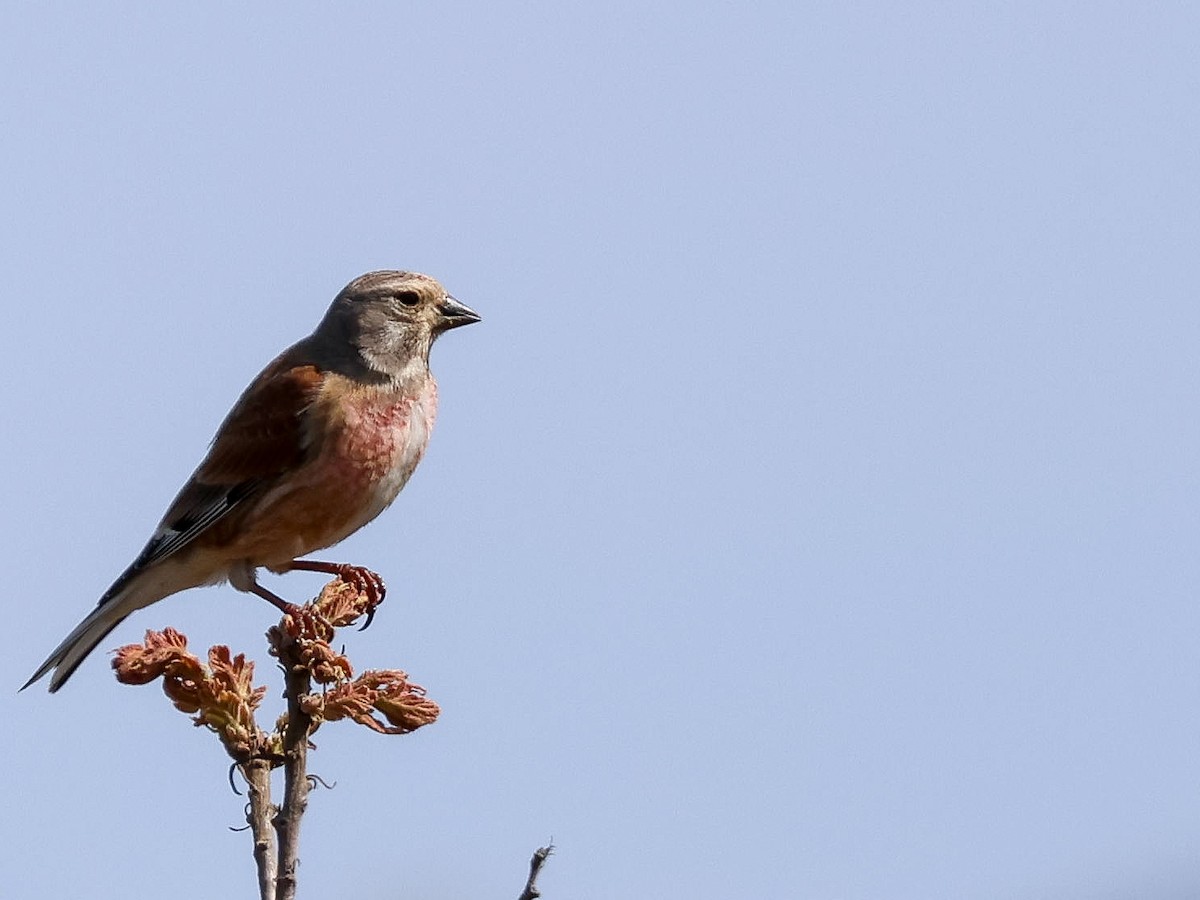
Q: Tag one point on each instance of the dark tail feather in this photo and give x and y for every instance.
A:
(122, 599)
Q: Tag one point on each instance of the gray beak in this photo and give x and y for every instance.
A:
(455, 313)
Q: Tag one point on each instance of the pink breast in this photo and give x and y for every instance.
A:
(365, 460)
(383, 438)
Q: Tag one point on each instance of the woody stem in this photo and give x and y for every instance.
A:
(257, 773)
(295, 769)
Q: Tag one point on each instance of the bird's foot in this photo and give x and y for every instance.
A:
(367, 583)
(364, 581)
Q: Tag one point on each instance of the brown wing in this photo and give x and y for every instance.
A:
(263, 436)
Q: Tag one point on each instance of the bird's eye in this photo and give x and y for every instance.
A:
(408, 298)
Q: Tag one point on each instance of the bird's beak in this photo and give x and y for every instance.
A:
(455, 313)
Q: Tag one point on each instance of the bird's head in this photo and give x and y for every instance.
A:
(393, 318)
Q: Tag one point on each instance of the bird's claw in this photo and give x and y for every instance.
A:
(367, 583)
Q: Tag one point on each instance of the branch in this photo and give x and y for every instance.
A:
(298, 678)
(257, 773)
(540, 856)
(221, 696)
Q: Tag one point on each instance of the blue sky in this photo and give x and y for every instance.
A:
(813, 514)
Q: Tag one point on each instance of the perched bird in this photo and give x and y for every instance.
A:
(317, 446)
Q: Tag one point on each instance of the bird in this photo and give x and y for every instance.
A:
(318, 445)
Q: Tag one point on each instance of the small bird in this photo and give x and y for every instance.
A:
(317, 446)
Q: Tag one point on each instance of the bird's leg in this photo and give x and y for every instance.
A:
(360, 578)
(289, 609)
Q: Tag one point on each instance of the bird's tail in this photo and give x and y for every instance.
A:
(128, 594)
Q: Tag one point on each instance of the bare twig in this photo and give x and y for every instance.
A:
(295, 766)
(540, 856)
(258, 777)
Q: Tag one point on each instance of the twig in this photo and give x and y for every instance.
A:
(258, 777)
(540, 856)
(295, 767)
(221, 696)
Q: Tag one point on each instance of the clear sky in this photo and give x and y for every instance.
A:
(814, 513)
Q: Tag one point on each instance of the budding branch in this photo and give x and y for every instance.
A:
(221, 696)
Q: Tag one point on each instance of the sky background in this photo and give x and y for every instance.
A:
(814, 513)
